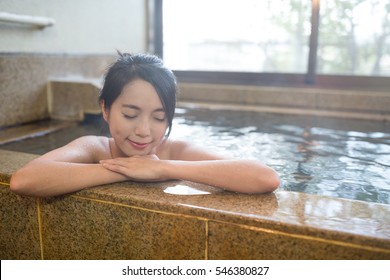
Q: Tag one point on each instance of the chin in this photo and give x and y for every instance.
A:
(137, 153)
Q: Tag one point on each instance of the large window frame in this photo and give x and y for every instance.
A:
(309, 79)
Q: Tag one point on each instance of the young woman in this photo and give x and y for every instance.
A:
(138, 102)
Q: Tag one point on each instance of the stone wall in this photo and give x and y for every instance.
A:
(24, 79)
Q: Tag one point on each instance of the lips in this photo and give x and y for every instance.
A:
(137, 145)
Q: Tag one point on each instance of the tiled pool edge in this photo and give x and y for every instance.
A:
(140, 221)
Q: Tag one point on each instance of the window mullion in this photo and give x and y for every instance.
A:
(313, 44)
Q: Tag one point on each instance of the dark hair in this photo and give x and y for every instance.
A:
(147, 67)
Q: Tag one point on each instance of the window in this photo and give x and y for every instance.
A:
(354, 37)
(237, 35)
(285, 42)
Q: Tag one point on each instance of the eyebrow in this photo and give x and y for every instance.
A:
(130, 106)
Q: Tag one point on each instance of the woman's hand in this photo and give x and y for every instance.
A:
(137, 168)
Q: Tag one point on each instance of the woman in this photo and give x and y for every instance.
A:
(138, 102)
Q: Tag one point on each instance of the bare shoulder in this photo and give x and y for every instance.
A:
(86, 149)
(184, 150)
(91, 141)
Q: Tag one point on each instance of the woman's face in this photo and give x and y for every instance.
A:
(137, 119)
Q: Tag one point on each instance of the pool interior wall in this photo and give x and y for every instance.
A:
(184, 220)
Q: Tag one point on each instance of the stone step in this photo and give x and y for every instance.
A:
(21, 132)
(69, 99)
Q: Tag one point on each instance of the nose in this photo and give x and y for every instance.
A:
(142, 128)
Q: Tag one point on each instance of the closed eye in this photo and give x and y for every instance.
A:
(159, 117)
(129, 116)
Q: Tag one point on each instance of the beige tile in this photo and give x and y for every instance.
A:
(230, 241)
(19, 230)
(75, 228)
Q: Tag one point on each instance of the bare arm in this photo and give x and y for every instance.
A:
(235, 175)
(193, 164)
(64, 170)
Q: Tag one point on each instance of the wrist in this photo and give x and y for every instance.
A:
(167, 169)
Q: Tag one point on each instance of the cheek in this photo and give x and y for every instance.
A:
(115, 132)
(162, 130)
(117, 127)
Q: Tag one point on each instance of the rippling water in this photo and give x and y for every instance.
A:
(316, 155)
(324, 156)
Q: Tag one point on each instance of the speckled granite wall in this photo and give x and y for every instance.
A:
(24, 79)
(163, 221)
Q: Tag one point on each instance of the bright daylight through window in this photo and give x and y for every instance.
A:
(273, 36)
(354, 37)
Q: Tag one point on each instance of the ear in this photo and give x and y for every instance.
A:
(105, 111)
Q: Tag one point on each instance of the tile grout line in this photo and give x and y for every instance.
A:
(141, 208)
(206, 253)
(5, 184)
(40, 227)
(306, 237)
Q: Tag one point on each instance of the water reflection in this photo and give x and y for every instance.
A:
(364, 218)
(184, 190)
(324, 156)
